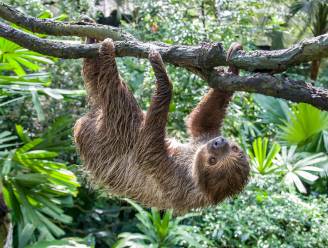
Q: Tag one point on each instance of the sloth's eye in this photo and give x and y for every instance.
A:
(234, 148)
(212, 160)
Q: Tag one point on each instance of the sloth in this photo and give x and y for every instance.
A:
(129, 154)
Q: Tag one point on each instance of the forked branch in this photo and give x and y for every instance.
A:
(200, 59)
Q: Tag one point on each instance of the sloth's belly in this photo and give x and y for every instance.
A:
(124, 179)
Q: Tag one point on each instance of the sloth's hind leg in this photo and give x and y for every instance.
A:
(120, 110)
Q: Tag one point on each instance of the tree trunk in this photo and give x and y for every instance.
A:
(315, 69)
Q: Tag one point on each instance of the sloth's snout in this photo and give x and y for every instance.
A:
(219, 143)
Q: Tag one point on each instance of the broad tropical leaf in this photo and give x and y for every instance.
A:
(19, 58)
(261, 157)
(300, 167)
(305, 122)
(276, 111)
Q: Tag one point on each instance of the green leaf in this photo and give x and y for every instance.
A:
(12, 202)
(21, 134)
(261, 158)
(37, 105)
(305, 122)
(7, 164)
(61, 17)
(17, 67)
(27, 64)
(39, 154)
(45, 14)
(272, 154)
(54, 229)
(29, 145)
(26, 235)
(30, 179)
(31, 214)
(276, 111)
(40, 59)
(64, 243)
(307, 176)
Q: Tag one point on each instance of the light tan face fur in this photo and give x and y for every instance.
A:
(220, 168)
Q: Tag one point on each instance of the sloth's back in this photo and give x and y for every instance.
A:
(108, 159)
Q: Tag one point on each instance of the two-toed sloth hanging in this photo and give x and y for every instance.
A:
(130, 154)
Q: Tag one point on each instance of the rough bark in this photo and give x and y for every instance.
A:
(272, 85)
(203, 56)
(46, 26)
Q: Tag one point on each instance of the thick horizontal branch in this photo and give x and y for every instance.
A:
(47, 47)
(183, 56)
(279, 60)
(276, 86)
(205, 56)
(47, 26)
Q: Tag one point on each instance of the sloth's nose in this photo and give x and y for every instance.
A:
(219, 143)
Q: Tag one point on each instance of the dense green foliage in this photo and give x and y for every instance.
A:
(265, 215)
(42, 185)
(157, 231)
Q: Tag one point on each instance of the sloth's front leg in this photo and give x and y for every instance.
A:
(152, 150)
(207, 118)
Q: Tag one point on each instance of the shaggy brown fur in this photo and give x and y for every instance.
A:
(129, 153)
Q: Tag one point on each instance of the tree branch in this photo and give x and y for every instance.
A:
(190, 57)
(199, 59)
(278, 60)
(47, 47)
(276, 86)
(47, 26)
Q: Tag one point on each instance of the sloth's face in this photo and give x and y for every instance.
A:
(221, 169)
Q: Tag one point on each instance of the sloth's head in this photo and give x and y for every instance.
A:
(221, 169)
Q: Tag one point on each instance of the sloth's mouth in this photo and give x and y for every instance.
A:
(230, 162)
(223, 162)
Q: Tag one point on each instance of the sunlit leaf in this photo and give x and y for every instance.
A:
(22, 134)
(261, 158)
(297, 167)
(304, 123)
(63, 243)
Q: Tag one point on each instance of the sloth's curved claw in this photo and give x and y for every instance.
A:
(156, 61)
(155, 57)
(85, 19)
(107, 47)
(234, 47)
